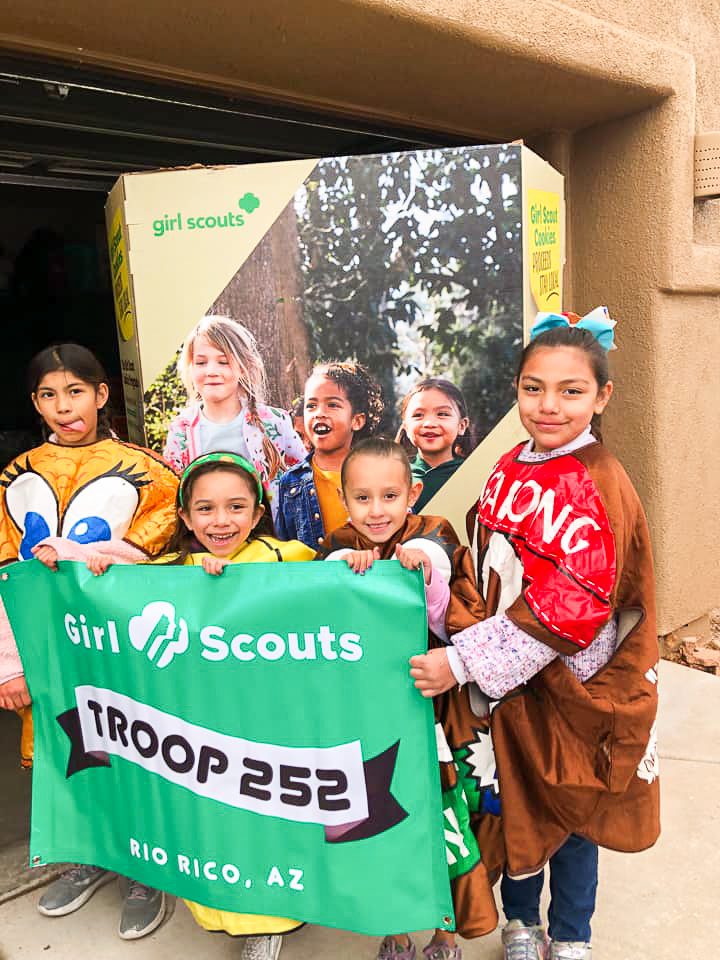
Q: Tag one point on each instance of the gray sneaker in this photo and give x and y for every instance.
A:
(143, 911)
(261, 948)
(560, 950)
(72, 889)
(524, 943)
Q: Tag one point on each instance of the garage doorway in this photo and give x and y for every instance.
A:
(68, 133)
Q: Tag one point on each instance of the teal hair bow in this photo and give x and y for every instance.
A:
(598, 322)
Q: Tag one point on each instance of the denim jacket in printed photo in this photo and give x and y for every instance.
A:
(298, 514)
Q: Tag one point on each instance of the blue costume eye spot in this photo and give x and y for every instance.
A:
(490, 802)
(90, 530)
(36, 529)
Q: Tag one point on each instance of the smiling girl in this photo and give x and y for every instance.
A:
(222, 510)
(568, 645)
(224, 376)
(379, 492)
(222, 507)
(343, 404)
(435, 421)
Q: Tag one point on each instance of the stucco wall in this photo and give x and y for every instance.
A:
(632, 181)
(692, 26)
(611, 92)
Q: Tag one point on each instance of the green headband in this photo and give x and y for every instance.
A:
(220, 458)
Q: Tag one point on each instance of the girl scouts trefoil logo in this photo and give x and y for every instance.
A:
(157, 633)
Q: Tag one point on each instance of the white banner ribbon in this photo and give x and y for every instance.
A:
(323, 785)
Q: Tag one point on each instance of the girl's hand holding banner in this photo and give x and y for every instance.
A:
(248, 742)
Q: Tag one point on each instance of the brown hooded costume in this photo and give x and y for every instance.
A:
(471, 877)
(561, 546)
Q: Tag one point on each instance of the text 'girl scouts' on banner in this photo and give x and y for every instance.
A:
(248, 742)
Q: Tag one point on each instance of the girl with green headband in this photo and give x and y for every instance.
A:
(222, 518)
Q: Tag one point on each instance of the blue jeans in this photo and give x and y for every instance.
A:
(573, 883)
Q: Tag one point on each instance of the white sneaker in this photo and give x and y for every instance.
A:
(565, 950)
(521, 942)
(261, 948)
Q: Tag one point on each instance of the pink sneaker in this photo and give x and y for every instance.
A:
(391, 949)
(442, 951)
(524, 943)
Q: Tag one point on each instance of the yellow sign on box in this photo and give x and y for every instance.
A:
(545, 249)
(120, 277)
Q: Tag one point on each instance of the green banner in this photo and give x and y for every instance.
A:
(252, 742)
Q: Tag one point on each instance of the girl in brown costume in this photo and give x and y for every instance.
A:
(378, 491)
(568, 647)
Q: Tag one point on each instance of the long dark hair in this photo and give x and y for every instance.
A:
(183, 542)
(465, 443)
(581, 339)
(81, 363)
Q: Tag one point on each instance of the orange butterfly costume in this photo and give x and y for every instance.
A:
(100, 493)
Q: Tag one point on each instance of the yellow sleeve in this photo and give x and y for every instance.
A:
(164, 559)
(294, 550)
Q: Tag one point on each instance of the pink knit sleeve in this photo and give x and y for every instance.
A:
(119, 551)
(499, 656)
(437, 593)
(10, 666)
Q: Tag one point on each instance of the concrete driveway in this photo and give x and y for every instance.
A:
(660, 905)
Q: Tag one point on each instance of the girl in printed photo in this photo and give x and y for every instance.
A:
(435, 423)
(343, 404)
(224, 376)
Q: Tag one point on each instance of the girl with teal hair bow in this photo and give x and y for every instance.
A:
(566, 651)
(597, 322)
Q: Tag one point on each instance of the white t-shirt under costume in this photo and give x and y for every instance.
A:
(228, 436)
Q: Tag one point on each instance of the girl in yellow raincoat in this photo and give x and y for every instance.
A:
(221, 509)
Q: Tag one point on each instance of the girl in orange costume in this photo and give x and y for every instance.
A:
(82, 492)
